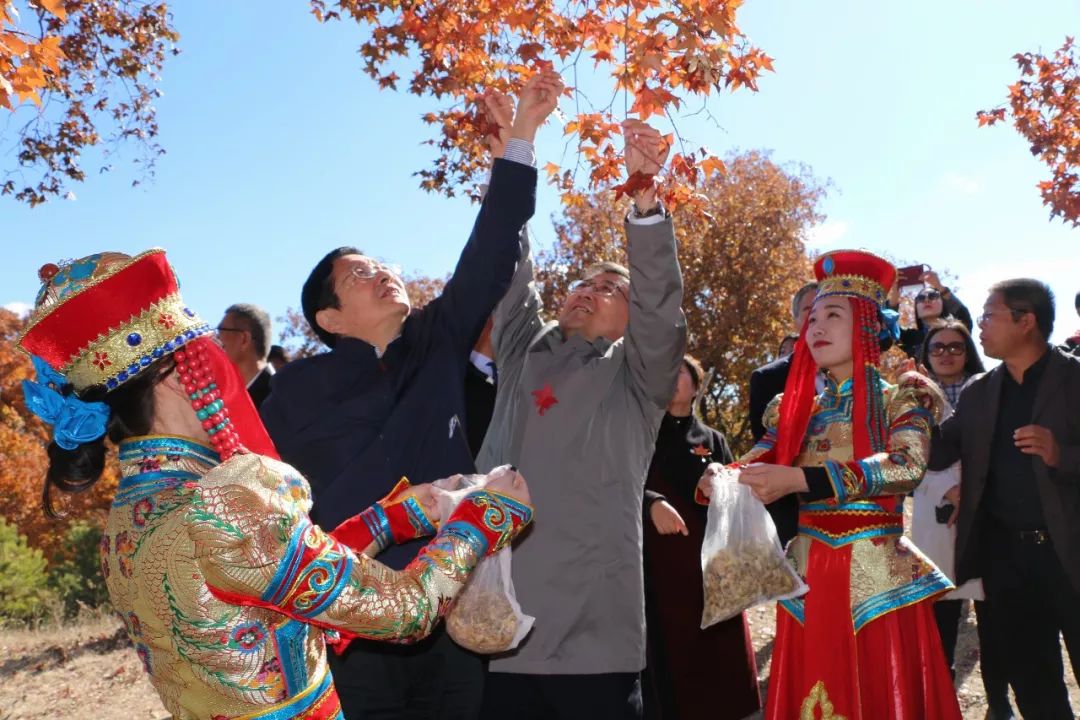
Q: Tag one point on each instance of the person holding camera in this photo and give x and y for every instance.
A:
(948, 355)
(933, 304)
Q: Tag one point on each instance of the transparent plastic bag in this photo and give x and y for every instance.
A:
(485, 617)
(742, 561)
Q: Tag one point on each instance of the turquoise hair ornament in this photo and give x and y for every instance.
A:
(74, 421)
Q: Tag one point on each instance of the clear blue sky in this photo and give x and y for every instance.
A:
(279, 149)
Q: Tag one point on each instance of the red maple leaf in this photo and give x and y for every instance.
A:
(544, 398)
(701, 451)
(634, 184)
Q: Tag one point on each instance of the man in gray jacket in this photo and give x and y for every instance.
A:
(577, 411)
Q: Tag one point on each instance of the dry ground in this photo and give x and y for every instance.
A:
(88, 670)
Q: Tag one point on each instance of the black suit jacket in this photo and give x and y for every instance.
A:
(766, 383)
(259, 388)
(967, 436)
(479, 406)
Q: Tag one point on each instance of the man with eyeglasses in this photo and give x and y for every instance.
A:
(577, 409)
(244, 333)
(1017, 435)
(387, 401)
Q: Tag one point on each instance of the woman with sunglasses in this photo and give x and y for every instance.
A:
(934, 303)
(949, 356)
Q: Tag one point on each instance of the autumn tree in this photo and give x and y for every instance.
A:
(90, 67)
(741, 263)
(659, 56)
(1045, 108)
(300, 340)
(23, 462)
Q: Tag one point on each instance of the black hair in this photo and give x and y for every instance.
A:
(258, 324)
(277, 353)
(973, 364)
(1029, 295)
(131, 414)
(790, 337)
(319, 294)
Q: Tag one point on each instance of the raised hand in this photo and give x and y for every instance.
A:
(646, 152)
(536, 102)
(499, 110)
(931, 278)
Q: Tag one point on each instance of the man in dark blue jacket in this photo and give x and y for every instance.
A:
(387, 401)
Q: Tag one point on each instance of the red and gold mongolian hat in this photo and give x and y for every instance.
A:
(865, 279)
(854, 273)
(102, 319)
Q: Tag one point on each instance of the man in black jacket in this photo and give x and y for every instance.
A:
(766, 383)
(1016, 431)
(388, 401)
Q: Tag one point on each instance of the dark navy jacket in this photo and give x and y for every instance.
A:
(354, 423)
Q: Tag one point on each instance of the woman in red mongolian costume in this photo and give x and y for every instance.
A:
(862, 643)
(229, 593)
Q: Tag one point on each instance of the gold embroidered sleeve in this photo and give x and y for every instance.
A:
(257, 547)
(770, 419)
(911, 409)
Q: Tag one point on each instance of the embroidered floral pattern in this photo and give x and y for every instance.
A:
(101, 359)
(166, 320)
(125, 548)
(141, 511)
(103, 550)
(248, 637)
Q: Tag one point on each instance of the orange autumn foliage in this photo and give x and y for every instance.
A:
(25, 61)
(23, 462)
(658, 55)
(1045, 109)
(91, 67)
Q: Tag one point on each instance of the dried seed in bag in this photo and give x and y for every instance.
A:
(483, 622)
(740, 577)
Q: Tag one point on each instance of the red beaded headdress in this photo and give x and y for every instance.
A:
(865, 279)
(104, 319)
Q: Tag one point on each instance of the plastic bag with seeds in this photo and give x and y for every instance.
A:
(486, 617)
(742, 561)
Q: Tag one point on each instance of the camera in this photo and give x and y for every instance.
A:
(943, 512)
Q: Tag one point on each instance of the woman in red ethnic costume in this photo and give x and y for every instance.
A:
(229, 593)
(862, 644)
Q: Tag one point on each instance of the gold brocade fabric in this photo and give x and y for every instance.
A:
(181, 523)
(887, 570)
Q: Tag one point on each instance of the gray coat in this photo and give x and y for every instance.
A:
(579, 570)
